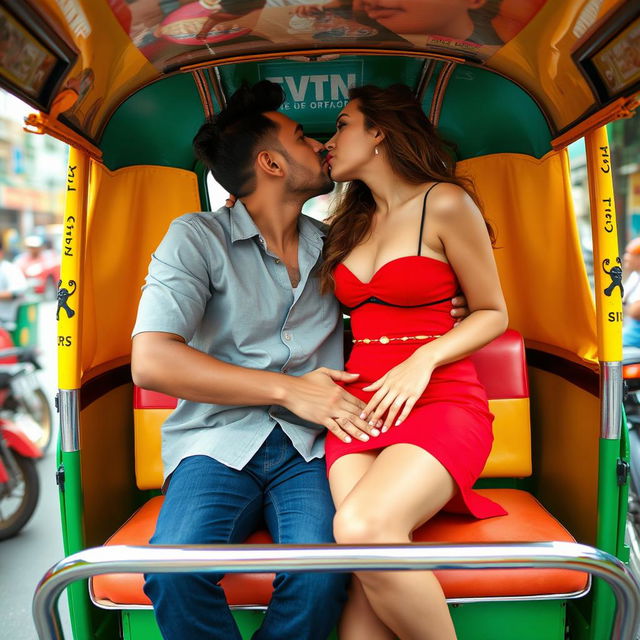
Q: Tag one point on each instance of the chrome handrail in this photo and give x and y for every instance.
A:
(270, 558)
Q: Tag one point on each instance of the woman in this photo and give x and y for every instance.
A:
(407, 236)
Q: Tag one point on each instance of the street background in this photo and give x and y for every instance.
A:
(25, 558)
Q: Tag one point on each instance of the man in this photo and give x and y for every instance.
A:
(232, 322)
(13, 286)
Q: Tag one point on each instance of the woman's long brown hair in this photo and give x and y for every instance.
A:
(416, 154)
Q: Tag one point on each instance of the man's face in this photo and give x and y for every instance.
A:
(434, 17)
(306, 171)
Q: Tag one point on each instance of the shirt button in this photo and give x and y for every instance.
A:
(277, 260)
(261, 240)
(287, 336)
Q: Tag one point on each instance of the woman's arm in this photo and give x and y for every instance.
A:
(461, 229)
(463, 233)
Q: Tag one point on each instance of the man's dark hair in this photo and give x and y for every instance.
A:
(228, 144)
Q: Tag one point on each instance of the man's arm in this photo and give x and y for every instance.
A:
(164, 362)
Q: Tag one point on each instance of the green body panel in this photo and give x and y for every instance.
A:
(131, 137)
(609, 510)
(482, 113)
(533, 620)
(73, 540)
(141, 624)
(623, 551)
(543, 619)
(25, 333)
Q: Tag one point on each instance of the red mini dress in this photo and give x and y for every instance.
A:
(411, 296)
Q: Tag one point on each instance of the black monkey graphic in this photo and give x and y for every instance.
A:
(616, 276)
(63, 297)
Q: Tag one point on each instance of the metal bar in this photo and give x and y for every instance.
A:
(439, 92)
(611, 400)
(68, 401)
(216, 83)
(269, 558)
(428, 67)
(202, 86)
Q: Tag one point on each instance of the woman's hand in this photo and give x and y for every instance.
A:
(400, 387)
(316, 397)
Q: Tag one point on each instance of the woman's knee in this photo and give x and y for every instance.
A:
(355, 525)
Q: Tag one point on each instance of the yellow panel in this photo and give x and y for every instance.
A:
(511, 453)
(607, 262)
(538, 249)
(71, 274)
(136, 206)
(510, 456)
(148, 446)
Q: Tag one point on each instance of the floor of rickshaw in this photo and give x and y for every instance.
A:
(515, 620)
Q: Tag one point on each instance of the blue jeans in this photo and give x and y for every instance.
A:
(210, 503)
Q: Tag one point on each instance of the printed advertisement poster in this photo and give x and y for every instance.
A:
(319, 90)
(173, 33)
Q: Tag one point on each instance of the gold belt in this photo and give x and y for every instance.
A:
(387, 340)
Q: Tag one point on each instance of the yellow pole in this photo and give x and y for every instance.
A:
(70, 289)
(606, 256)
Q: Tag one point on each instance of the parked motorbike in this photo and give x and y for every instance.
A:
(19, 482)
(22, 400)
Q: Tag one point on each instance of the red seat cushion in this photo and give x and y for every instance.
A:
(502, 366)
(527, 521)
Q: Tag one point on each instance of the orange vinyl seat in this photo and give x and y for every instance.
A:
(502, 369)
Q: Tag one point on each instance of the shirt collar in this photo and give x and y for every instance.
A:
(242, 226)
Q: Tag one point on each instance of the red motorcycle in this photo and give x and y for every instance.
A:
(22, 399)
(19, 481)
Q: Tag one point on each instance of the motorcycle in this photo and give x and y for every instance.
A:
(19, 482)
(22, 400)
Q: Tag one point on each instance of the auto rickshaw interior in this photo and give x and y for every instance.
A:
(503, 140)
(509, 116)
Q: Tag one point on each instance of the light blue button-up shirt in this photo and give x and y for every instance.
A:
(213, 281)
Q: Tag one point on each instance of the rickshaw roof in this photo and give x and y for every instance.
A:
(80, 60)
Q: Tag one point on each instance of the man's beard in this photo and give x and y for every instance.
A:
(303, 182)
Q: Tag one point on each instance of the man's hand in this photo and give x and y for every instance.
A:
(316, 397)
(460, 310)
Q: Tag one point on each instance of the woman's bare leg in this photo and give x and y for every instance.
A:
(358, 621)
(401, 489)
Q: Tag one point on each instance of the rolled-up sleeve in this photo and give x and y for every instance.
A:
(178, 284)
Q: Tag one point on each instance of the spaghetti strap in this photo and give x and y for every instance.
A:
(424, 208)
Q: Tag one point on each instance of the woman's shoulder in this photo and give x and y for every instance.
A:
(449, 201)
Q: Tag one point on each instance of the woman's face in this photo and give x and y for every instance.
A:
(352, 147)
